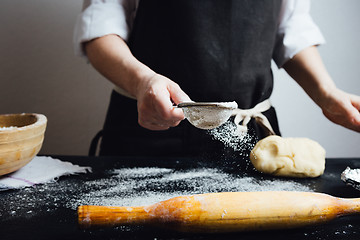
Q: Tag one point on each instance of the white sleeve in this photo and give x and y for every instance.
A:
(103, 17)
(296, 31)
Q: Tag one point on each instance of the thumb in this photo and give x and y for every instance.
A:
(355, 101)
(177, 95)
(355, 110)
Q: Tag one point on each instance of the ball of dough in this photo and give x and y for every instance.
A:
(288, 157)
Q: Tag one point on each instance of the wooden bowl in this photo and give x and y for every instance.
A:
(21, 138)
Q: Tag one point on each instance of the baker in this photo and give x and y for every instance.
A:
(160, 53)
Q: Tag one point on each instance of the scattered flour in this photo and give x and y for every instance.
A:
(140, 172)
(146, 186)
(134, 187)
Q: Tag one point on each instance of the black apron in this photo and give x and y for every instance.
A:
(216, 50)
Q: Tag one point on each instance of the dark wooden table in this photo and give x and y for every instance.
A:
(39, 213)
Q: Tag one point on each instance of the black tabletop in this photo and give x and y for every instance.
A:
(47, 211)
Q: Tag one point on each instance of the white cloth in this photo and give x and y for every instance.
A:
(296, 30)
(39, 170)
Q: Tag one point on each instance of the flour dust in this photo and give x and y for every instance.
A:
(229, 134)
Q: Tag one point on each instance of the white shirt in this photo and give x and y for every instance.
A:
(296, 29)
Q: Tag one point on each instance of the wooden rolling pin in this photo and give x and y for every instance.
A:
(226, 212)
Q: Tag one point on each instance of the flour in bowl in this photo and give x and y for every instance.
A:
(7, 128)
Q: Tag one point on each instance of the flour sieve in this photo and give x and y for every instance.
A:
(207, 115)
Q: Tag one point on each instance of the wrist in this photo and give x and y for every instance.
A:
(142, 75)
(323, 93)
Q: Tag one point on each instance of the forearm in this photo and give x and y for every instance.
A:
(111, 56)
(338, 106)
(308, 70)
(155, 94)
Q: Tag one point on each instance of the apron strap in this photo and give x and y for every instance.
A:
(245, 115)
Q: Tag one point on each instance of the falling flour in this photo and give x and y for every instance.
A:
(230, 136)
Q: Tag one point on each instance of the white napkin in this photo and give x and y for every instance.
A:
(39, 170)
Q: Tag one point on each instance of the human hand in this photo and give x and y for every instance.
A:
(342, 108)
(155, 101)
